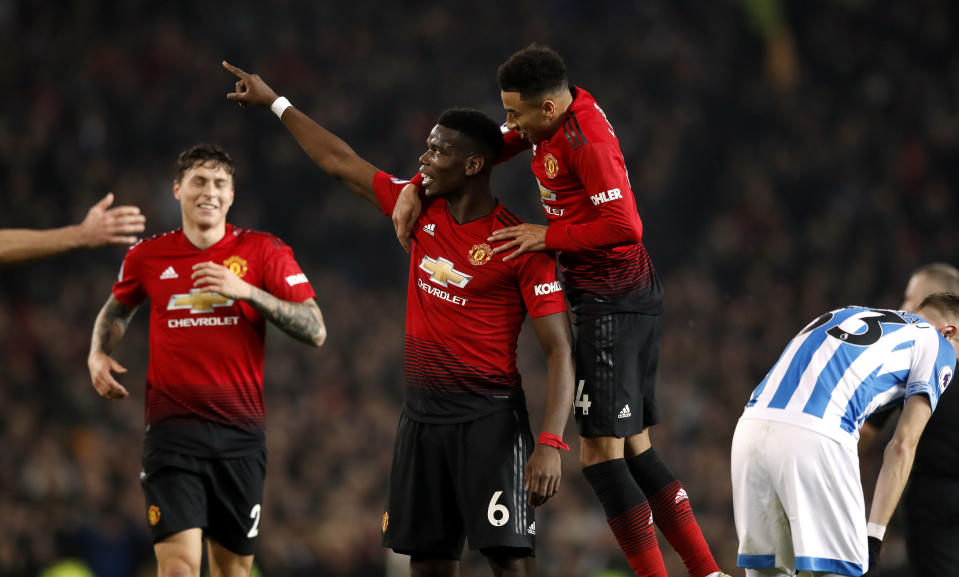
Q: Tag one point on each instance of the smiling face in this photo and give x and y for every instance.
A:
(444, 164)
(531, 119)
(205, 192)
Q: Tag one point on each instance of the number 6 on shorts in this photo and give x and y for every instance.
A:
(498, 515)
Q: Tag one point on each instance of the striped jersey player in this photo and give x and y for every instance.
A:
(796, 490)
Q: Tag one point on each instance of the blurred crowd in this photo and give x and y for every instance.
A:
(787, 157)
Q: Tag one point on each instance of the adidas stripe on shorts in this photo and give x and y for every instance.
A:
(616, 359)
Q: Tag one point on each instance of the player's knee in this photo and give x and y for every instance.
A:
(432, 567)
(510, 561)
(178, 567)
(595, 450)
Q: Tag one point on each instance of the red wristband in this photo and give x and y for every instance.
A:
(551, 440)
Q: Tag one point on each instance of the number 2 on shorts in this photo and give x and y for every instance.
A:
(255, 515)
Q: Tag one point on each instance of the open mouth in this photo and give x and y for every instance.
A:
(427, 180)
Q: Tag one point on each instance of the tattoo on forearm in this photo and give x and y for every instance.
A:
(299, 320)
(111, 325)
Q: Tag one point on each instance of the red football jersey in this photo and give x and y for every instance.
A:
(464, 311)
(204, 391)
(591, 211)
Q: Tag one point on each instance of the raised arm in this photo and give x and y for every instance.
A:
(544, 469)
(303, 321)
(108, 331)
(102, 225)
(328, 151)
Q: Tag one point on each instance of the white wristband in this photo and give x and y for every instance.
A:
(279, 105)
(875, 530)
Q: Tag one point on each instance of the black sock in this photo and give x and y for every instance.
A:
(615, 486)
(650, 472)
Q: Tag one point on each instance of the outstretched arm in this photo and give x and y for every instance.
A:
(328, 151)
(544, 469)
(108, 331)
(102, 225)
(302, 321)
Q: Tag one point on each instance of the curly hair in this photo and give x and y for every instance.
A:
(534, 71)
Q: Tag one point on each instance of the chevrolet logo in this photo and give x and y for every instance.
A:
(545, 193)
(442, 272)
(198, 301)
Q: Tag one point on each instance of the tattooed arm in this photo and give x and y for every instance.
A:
(108, 331)
(302, 321)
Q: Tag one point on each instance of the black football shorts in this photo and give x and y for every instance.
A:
(220, 496)
(616, 358)
(455, 482)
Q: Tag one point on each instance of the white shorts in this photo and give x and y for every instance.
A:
(798, 500)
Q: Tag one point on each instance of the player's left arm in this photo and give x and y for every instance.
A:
(602, 172)
(896, 464)
(544, 468)
(301, 320)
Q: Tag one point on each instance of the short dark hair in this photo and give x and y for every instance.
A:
(943, 273)
(947, 304)
(482, 131)
(202, 154)
(534, 71)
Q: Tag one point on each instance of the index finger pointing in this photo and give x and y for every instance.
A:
(234, 69)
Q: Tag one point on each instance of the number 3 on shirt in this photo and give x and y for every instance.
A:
(581, 401)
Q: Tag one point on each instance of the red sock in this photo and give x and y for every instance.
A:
(672, 512)
(628, 515)
(674, 517)
(636, 535)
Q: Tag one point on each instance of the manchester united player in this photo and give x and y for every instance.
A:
(212, 287)
(463, 455)
(614, 292)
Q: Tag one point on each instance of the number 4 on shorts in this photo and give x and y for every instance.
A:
(581, 401)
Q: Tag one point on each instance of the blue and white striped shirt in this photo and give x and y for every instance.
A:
(849, 362)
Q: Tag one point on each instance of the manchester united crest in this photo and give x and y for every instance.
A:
(551, 165)
(480, 254)
(236, 265)
(153, 514)
(386, 520)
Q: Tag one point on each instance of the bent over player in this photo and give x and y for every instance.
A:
(464, 454)
(212, 287)
(797, 494)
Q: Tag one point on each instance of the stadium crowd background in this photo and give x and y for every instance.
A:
(787, 158)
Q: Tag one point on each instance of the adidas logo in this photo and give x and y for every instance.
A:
(650, 518)
(681, 496)
(169, 273)
(625, 414)
(430, 229)
(532, 528)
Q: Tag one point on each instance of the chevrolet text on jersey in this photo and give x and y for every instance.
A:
(203, 322)
(547, 288)
(441, 293)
